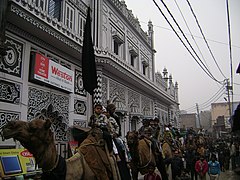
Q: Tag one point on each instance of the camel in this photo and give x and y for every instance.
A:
(142, 154)
(37, 137)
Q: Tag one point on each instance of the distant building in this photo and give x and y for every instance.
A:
(222, 109)
(219, 109)
(216, 121)
(205, 120)
(219, 127)
(188, 120)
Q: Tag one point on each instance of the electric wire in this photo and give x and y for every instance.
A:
(190, 32)
(209, 101)
(199, 37)
(236, 84)
(209, 105)
(181, 39)
(202, 107)
(203, 37)
(206, 70)
(206, 105)
(213, 97)
(189, 42)
(210, 51)
(220, 95)
(215, 100)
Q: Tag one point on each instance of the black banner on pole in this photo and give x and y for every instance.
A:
(89, 73)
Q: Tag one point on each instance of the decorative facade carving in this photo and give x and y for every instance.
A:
(77, 122)
(12, 62)
(10, 92)
(117, 92)
(45, 104)
(6, 116)
(134, 102)
(98, 91)
(80, 107)
(146, 106)
(40, 25)
(104, 91)
(78, 87)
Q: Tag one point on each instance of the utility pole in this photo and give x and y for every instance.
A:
(228, 87)
(198, 116)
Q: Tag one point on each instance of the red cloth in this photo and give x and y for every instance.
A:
(201, 167)
(153, 176)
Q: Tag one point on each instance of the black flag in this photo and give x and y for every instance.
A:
(89, 74)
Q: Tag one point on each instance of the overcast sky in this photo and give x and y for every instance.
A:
(195, 86)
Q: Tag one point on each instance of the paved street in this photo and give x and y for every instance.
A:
(227, 175)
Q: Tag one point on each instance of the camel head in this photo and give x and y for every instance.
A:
(132, 138)
(35, 135)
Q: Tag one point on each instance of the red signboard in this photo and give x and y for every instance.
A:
(52, 73)
(41, 66)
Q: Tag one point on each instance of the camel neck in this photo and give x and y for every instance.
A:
(47, 158)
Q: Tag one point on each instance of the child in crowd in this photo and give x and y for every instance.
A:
(152, 175)
(98, 119)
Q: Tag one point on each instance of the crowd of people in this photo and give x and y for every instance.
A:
(193, 155)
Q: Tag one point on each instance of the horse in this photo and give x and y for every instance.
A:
(37, 137)
(142, 155)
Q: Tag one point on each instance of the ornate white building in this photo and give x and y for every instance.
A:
(42, 33)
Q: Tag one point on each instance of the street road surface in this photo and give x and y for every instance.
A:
(227, 175)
